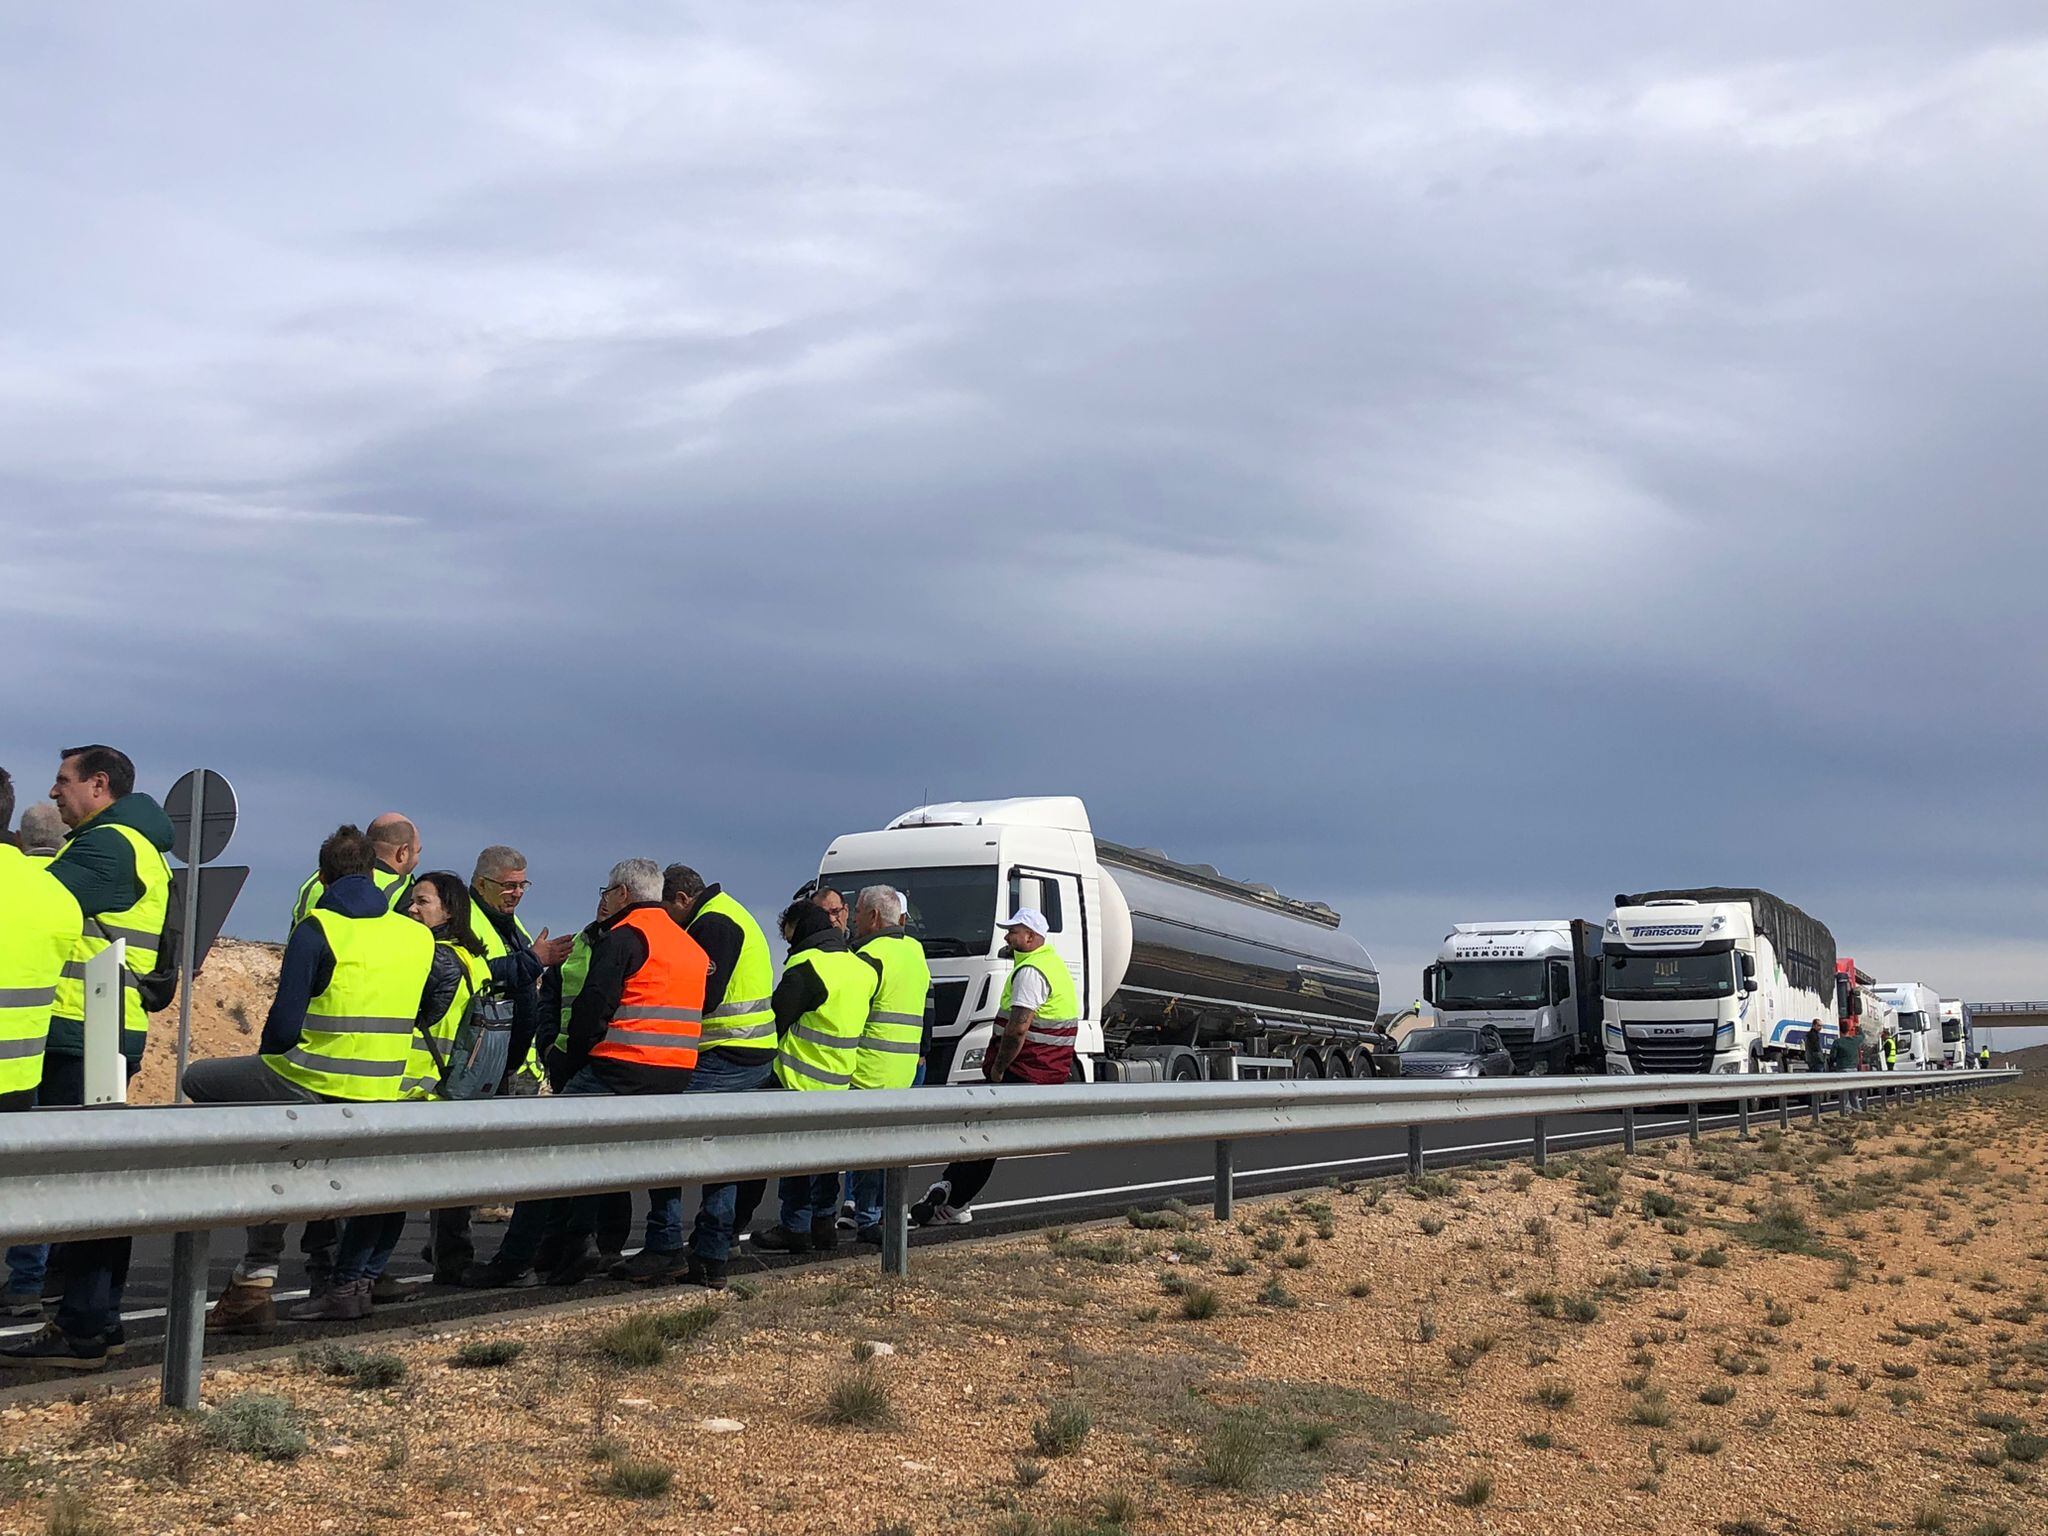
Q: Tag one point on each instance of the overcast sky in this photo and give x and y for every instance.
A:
(1452, 460)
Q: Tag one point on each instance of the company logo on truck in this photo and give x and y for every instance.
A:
(1668, 931)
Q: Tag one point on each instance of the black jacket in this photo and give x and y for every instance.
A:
(801, 988)
(615, 955)
(721, 940)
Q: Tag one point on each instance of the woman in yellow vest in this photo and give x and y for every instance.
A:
(450, 1058)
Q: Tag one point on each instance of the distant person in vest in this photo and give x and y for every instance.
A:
(735, 1055)
(42, 832)
(1891, 1051)
(821, 1010)
(1816, 1048)
(448, 1058)
(633, 1030)
(40, 925)
(1984, 1058)
(113, 865)
(1848, 1054)
(892, 1046)
(496, 888)
(396, 843)
(1040, 1017)
(340, 1028)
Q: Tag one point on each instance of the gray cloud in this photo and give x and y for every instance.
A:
(1437, 459)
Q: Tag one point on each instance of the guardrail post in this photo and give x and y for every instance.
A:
(1692, 1122)
(1226, 1180)
(1784, 1111)
(1628, 1131)
(1541, 1141)
(896, 1222)
(1813, 1104)
(1414, 1151)
(185, 1321)
(1742, 1119)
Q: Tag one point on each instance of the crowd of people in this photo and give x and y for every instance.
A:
(403, 983)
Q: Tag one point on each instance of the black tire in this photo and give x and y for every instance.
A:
(1308, 1065)
(1184, 1069)
(1339, 1065)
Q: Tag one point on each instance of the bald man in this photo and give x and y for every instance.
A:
(396, 842)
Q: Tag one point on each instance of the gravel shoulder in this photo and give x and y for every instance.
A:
(1836, 1331)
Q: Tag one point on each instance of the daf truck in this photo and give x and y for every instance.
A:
(1181, 973)
(1714, 979)
(1917, 1007)
(1535, 980)
(1956, 1046)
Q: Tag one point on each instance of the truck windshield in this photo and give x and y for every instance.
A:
(1912, 1022)
(1951, 1031)
(1463, 985)
(1652, 976)
(952, 908)
(1441, 1040)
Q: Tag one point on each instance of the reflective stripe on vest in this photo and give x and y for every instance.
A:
(397, 891)
(142, 925)
(744, 1021)
(40, 925)
(894, 1037)
(661, 1007)
(495, 948)
(1056, 1023)
(422, 1077)
(358, 1032)
(819, 1050)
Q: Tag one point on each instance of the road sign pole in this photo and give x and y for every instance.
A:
(188, 937)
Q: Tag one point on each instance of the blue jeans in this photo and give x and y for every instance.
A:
(533, 1221)
(365, 1246)
(864, 1185)
(808, 1200)
(711, 1236)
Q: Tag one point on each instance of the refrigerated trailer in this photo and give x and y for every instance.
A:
(1536, 980)
(1715, 979)
(1181, 973)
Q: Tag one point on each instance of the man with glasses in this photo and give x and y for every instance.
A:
(397, 844)
(496, 888)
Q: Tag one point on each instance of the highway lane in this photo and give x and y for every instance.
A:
(1035, 1191)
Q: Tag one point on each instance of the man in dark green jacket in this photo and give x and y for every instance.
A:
(102, 863)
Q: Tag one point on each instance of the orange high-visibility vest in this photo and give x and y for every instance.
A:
(661, 1013)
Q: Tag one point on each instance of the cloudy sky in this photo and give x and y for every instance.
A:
(1449, 459)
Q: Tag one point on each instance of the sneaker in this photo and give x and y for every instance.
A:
(389, 1288)
(493, 1276)
(779, 1239)
(934, 1197)
(347, 1302)
(708, 1273)
(50, 1345)
(116, 1340)
(246, 1306)
(578, 1264)
(22, 1303)
(948, 1216)
(648, 1267)
(825, 1237)
(847, 1221)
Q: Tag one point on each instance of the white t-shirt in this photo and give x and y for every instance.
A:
(1029, 989)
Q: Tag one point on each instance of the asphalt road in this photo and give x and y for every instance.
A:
(1026, 1192)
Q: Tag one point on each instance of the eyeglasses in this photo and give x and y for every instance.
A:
(509, 885)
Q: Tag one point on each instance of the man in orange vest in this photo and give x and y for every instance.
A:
(633, 1029)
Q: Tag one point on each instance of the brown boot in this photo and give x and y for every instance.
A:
(244, 1307)
(347, 1302)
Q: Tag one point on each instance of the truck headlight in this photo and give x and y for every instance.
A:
(975, 1057)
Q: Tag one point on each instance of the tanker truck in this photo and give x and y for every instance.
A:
(1181, 974)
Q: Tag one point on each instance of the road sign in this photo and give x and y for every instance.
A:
(213, 798)
(219, 885)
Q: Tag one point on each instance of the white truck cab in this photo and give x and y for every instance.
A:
(1917, 1023)
(1535, 980)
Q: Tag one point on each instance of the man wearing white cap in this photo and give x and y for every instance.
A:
(1041, 1016)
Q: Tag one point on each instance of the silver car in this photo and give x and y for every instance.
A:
(1455, 1051)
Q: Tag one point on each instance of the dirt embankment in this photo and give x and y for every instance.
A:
(1836, 1331)
(234, 992)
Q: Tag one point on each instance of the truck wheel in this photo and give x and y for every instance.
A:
(1307, 1065)
(1338, 1065)
(1184, 1068)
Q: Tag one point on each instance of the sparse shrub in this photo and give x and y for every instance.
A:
(1703, 1444)
(1029, 1472)
(1233, 1451)
(1477, 1490)
(1650, 1408)
(1713, 1258)
(682, 1326)
(366, 1371)
(636, 1342)
(1359, 1288)
(1237, 1266)
(1554, 1394)
(1719, 1395)
(484, 1354)
(257, 1424)
(1198, 1303)
(1430, 1224)
(637, 1479)
(1276, 1295)
(1930, 1516)
(859, 1397)
(2024, 1447)
(1580, 1309)
(72, 1514)
(1295, 1258)
(1156, 1221)
(1314, 1435)
(1062, 1428)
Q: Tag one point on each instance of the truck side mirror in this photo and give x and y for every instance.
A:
(1560, 980)
(1748, 967)
(1429, 984)
(1749, 984)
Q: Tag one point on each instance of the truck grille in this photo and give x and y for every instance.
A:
(947, 996)
(1521, 1044)
(1695, 1054)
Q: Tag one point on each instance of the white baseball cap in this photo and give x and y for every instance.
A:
(1028, 917)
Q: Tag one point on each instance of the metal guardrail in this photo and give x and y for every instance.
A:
(193, 1168)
